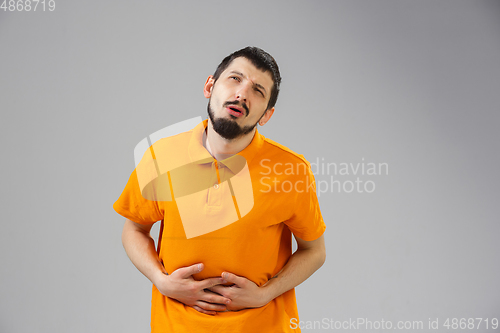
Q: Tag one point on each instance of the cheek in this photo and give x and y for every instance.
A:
(219, 96)
(214, 100)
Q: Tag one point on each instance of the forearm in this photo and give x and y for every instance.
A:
(180, 285)
(301, 265)
(140, 248)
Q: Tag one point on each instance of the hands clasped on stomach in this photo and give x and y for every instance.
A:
(210, 295)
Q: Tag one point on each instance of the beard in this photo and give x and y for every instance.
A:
(228, 128)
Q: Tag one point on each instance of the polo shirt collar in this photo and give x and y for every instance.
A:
(199, 154)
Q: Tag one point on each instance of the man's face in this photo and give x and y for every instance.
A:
(239, 98)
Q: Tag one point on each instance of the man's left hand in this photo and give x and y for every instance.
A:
(243, 293)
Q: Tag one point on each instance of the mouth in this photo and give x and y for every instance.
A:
(235, 111)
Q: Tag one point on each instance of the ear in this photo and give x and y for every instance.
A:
(207, 89)
(267, 115)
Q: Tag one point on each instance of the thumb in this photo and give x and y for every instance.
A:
(186, 272)
(230, 277)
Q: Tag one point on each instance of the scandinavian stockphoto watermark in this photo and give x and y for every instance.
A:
(170, 169)
(28, 5)
(364, 324)
(330, 177)
(209, 194)
(367, 325)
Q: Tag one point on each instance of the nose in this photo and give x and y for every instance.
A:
(241, 96)
(242, 93)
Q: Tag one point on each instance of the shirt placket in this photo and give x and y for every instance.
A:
(215, 192)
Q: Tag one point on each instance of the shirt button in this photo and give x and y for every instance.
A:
(216, 186)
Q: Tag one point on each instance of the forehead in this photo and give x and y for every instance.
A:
(257, 76)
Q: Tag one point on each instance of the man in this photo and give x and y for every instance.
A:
(229, 200)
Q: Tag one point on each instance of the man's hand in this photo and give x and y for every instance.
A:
(181, 286)
(243, 293)
(310, 255)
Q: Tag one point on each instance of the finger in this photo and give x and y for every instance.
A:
(237, 280)
(209, 306)
(221, 290)
(210, 282)
(185, 272)
(212, 292)
(212, 297)
(197, 308)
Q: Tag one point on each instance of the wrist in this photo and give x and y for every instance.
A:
(161, 280)
(267, 293)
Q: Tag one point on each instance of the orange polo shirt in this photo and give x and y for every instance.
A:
(234, 215)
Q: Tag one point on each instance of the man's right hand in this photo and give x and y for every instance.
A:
(181, 285)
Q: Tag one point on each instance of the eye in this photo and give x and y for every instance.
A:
(260, 92)
(235, 77)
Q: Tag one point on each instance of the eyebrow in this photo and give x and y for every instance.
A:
(255, 84)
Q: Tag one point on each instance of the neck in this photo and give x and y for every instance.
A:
(221, 148)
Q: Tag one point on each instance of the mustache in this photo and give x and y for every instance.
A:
(243, 105)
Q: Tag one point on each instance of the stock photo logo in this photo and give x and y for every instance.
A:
(209, 194)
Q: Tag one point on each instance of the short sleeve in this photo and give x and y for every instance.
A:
(306, 222)
(132, 205)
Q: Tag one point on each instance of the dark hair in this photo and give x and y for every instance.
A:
(260, 59)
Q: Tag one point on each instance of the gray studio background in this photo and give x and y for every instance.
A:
(413, 84)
